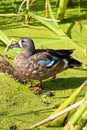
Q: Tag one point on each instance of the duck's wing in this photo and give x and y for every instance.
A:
(45, 57)
(58, 53)
(54, 56)
(49, 57)
(64, 52)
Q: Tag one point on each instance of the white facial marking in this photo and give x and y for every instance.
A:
(20, 44)
(66, 63)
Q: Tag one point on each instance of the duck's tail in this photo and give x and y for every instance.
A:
(6, 67)
(65, 53)
(74, 63)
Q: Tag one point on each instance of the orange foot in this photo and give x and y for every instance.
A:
(36, 89)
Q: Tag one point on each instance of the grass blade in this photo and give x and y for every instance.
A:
(48, 24)
(51, 14)
(4, 38)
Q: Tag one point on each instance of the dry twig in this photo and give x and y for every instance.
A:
(52, 117)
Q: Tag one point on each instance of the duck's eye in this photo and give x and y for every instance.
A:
(22, 41)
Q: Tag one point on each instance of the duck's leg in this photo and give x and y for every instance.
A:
(37, 88)
(54, 77)
(40, 84)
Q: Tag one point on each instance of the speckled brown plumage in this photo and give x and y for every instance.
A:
(6, 67)
(31, 70)
(39, 64)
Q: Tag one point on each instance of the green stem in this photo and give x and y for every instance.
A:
(82, 122)
(10, 15)
(27, 8)
(57, 3)
(61, 9)
(79, 112)
(77, 115)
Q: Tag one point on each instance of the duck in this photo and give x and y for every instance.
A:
(40, 64)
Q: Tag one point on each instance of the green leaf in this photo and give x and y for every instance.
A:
(49, 24)
(51, 13)
(4, 38)
(49, 42)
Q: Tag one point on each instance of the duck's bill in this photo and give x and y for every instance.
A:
(13, 46)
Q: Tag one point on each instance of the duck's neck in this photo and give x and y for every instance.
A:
(28, 52)
(30, 49)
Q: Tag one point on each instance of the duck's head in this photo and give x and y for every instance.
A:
(26, 44)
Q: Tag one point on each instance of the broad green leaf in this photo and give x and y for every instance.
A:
(49, 42)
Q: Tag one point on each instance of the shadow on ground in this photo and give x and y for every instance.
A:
(63, 83)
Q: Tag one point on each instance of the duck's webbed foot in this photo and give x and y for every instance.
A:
(37, 88)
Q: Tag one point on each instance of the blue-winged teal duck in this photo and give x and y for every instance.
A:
(39, 64)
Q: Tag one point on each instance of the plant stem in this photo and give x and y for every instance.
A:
(82, 122)
(61, 9)
(57, 3)
(77, 115)
(27, 8)
(46, 8)
(21, 6)
(10, 15)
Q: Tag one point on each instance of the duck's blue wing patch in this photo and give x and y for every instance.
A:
(55, 58)
(49, 62)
